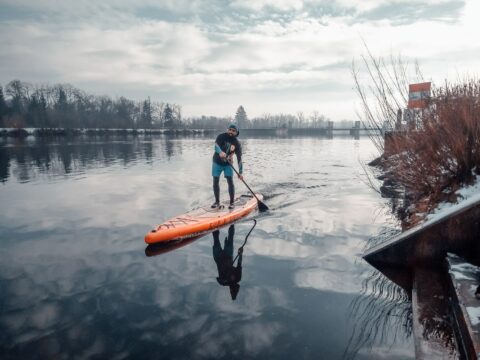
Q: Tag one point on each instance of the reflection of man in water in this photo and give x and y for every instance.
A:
(228, 274)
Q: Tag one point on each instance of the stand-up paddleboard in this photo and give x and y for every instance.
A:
(202, 220)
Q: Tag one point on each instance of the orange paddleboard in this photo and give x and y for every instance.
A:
(202, 220)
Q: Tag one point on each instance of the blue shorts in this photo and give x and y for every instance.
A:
(217, 169)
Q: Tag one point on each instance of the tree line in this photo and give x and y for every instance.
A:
(64, 106)
(23, 105)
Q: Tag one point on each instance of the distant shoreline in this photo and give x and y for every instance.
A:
(274, 132)
(52, 132)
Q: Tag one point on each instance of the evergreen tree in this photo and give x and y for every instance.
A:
(62, 110)
(146, 116)
(168, 119)
(241, 117)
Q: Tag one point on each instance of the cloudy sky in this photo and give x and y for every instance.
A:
(210, 56)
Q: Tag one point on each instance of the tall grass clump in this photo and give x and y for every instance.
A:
(442, 153)
(438, 151)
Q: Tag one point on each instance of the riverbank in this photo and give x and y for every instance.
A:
(430, 168)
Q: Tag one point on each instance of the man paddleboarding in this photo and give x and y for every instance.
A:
(226, 145)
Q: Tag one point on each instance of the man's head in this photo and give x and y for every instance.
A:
(232, 130)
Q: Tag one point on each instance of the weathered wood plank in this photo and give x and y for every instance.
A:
(433, 333)
(464, 283)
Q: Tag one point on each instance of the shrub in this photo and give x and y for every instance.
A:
(436, 157)
(443, 153)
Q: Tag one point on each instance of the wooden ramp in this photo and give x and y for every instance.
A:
(445, 310)
(431, 240)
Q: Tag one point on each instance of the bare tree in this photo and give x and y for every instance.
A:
(384, 94)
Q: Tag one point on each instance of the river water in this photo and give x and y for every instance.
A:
(76, 281)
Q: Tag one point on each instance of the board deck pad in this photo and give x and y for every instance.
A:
(202, 220)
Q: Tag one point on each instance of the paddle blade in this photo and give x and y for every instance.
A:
(262, 207)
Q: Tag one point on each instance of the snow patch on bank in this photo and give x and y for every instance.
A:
(464, 267)
(461, 270)
(468, 195)
(473, 314)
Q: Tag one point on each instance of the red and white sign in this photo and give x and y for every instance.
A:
(417, 94)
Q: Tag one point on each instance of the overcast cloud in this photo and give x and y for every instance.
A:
(211, 56)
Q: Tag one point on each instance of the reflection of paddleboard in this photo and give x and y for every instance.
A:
(201, 220)
(167, 246)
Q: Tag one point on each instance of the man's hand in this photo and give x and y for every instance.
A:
(240, 176)
(223, 155)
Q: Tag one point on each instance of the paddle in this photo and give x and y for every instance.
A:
(261, 206)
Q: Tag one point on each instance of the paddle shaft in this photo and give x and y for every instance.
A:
(261, 206)
(248, 187)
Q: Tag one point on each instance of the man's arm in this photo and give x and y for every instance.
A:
(218, 149)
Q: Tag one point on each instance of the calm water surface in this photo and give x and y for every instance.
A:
(76, 282)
